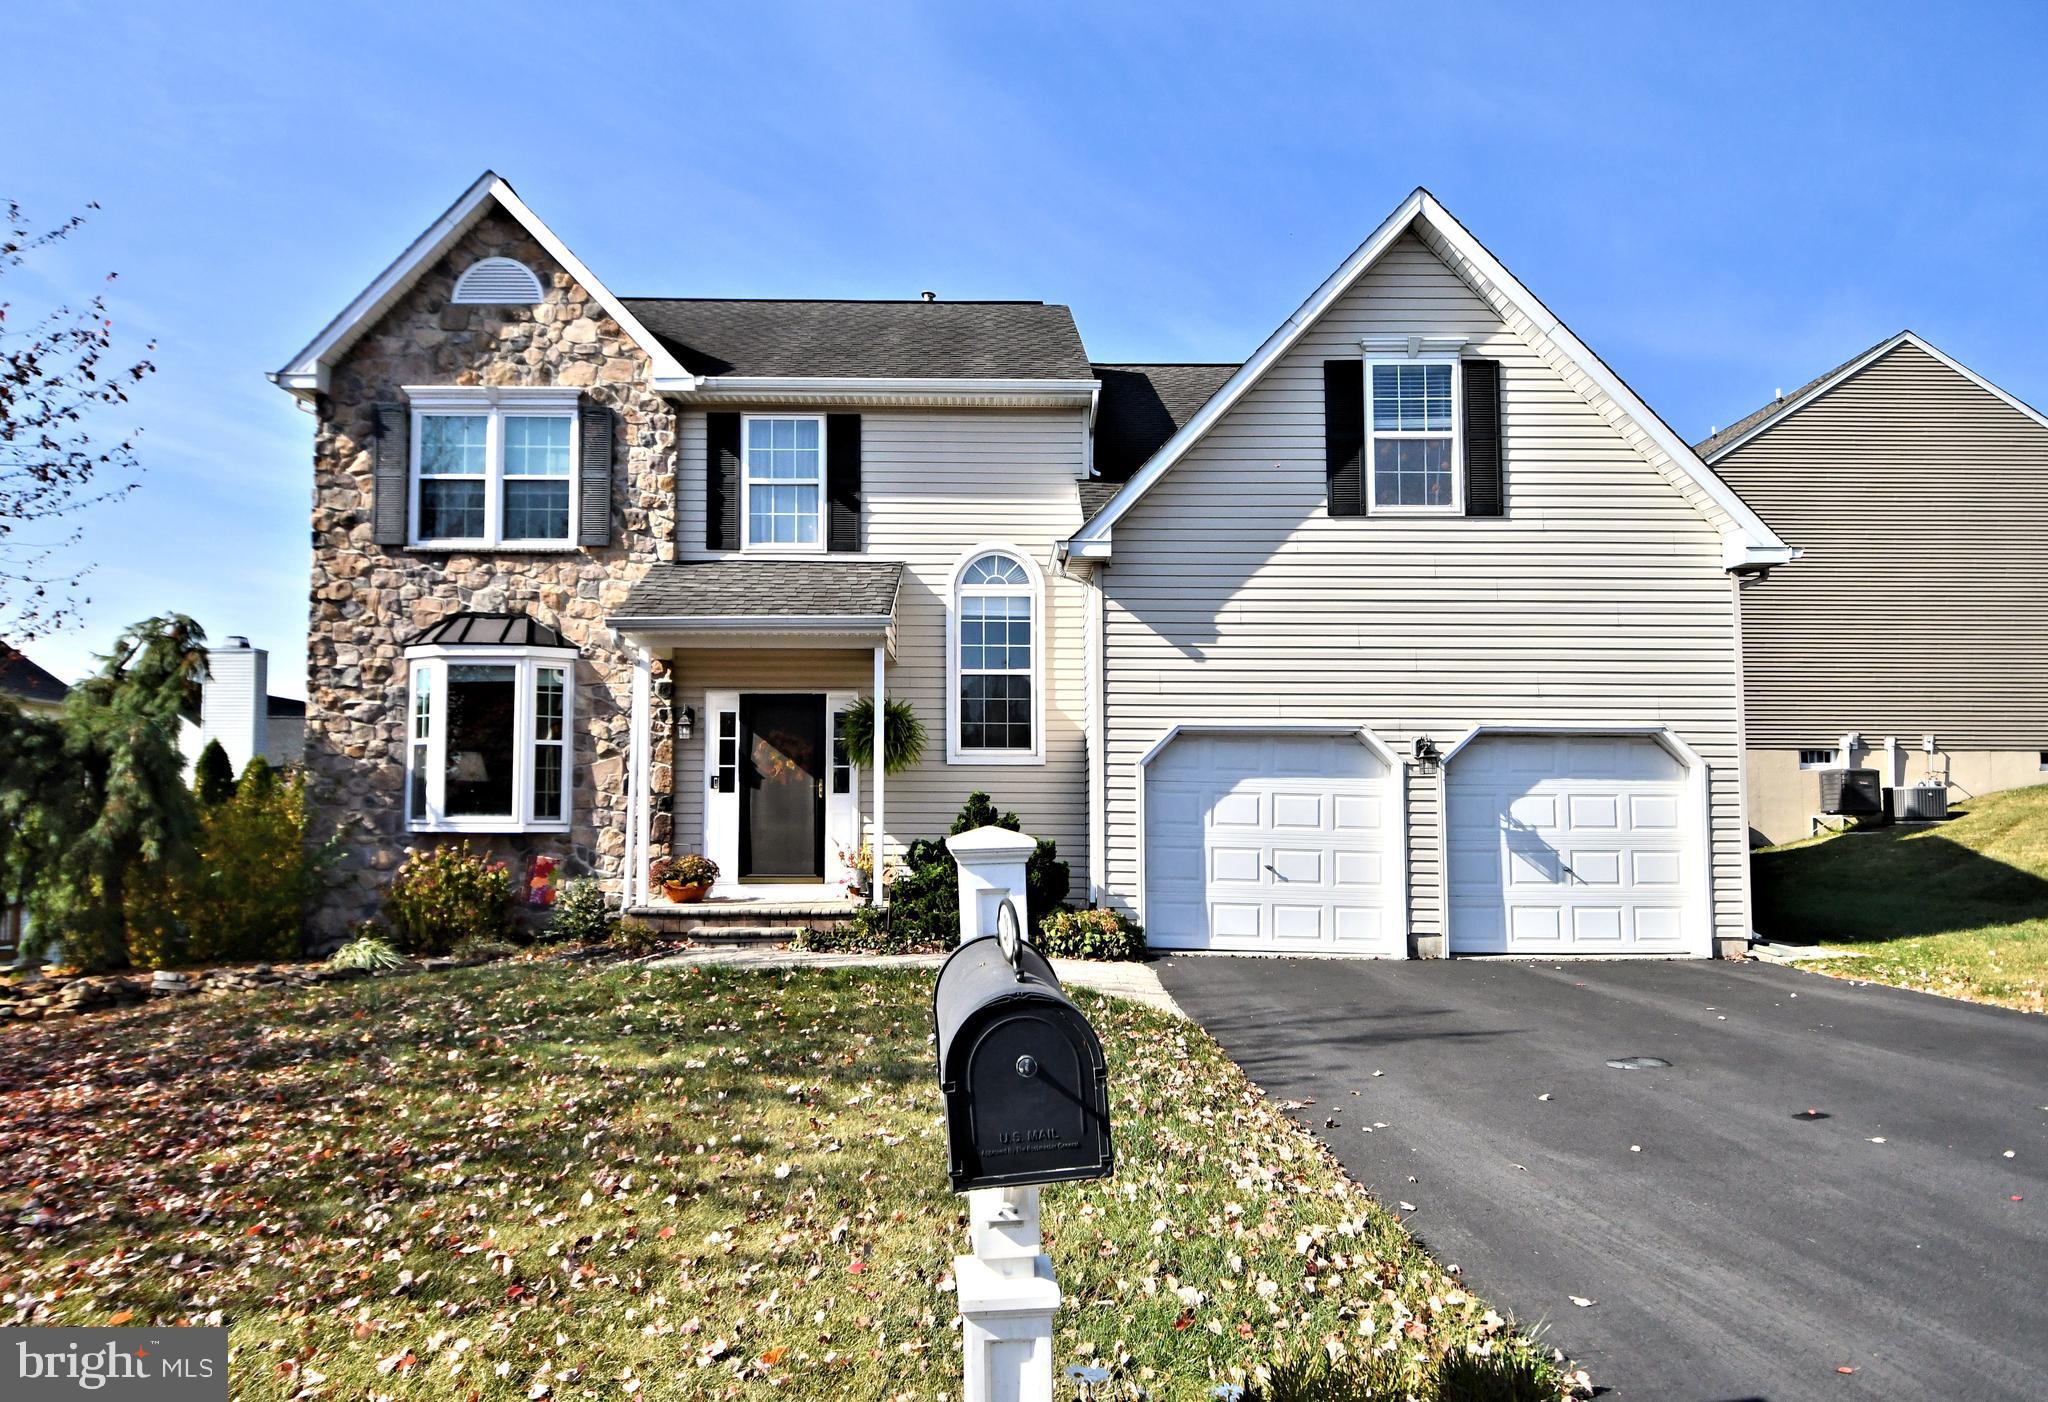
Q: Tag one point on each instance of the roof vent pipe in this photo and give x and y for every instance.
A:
(929, 296)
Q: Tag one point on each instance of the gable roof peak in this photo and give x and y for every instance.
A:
(1719, 445)
(1747, 542)
(306, 374)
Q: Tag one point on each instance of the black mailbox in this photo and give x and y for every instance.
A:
(1027, 1097)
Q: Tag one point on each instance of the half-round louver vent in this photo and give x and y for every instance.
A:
(498, 280)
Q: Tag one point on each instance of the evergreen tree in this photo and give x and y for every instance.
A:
(213, 777)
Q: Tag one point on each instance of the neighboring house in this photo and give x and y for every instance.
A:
(237, 709)
(1913, 636)
(32, 688)
(27, 684)
(593, 578)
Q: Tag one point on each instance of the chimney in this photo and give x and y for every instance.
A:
(234, 705)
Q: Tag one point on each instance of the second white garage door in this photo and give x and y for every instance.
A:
(1272, 841)
(1572, 844)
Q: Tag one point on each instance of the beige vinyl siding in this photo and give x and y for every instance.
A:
(1921, 604)
(1598, 599)
(934, 485)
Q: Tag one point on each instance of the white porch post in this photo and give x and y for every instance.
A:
(877, 892)
(639, 815)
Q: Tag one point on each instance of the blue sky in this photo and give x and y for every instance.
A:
(1721, 200)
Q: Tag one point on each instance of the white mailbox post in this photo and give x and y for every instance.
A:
(1006, 1288)
(991, 875)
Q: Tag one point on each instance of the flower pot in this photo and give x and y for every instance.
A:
(682, 893)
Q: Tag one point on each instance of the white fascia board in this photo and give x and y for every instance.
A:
(1750, 530)
(1857, 367)
(772, 388)
(307, 372)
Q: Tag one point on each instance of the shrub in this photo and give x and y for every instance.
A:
(366, 951)
(924, 892)
(583, 914)
(244, 893)
(213, 777)
(1095, 933)
(444, 895)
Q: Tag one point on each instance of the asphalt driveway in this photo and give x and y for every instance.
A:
(1734, 1245)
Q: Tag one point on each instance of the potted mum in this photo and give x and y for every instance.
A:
(684, 879)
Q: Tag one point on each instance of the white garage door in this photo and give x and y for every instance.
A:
(1577, 844)
(1271, 842)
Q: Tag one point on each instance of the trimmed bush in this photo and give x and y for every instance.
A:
(445, 895)
(1096, 933)
(244, 893)
(213, 777)
(583, 914)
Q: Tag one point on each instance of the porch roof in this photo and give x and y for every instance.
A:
(799, 601)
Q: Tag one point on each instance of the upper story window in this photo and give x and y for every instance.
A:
(783, 493)
(493, 467)
(489, 725)
(997, 648)
(1817, 759)
(1412, 436)
(497, 282)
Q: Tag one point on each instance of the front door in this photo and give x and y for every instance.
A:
(782, 771)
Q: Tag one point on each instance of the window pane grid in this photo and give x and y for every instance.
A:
(995, 712)
(499, 751)
(785, 481)
(531, 466)
(995, 608)
(1413, 455)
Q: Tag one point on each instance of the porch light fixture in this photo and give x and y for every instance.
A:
(1428, 758)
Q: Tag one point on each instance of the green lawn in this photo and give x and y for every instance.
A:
(526, 1182)
(1959, 908)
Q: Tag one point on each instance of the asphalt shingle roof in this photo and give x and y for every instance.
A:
(1141, 407)
(25, 679)
(1707, 447)
(868, 340)
(766, 589)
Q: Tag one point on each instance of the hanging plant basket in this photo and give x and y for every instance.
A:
(902, 741)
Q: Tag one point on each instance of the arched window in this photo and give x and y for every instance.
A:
(998, 642)
(497, 281)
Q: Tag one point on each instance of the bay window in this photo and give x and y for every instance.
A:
(493, 467)
(488, 739)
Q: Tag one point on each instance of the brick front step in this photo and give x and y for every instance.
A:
(743, 922)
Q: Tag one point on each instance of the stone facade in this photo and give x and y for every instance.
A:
(369, 600)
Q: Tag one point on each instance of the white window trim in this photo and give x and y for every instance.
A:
(748, 546)
(496, 404)
(1373, 506)
(1833, 760)
(1039, 635)
(527, 662)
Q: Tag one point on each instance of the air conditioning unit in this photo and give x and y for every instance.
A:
(1851, 793)
(1922, 803)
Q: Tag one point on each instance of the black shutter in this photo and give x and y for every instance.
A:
(390, 484)
(1485, 494)
(594, 487)
(842, 481)
(722, 481)
(1344, 434)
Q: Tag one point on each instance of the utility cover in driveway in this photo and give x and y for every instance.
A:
(1572, 844)
(1272, 841)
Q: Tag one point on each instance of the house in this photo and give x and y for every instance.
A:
(27, 684)
(237, 709)
(594, 577)
(1913, 636)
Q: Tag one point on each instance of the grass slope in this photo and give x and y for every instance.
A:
(526, 1182)
(1959, 908)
